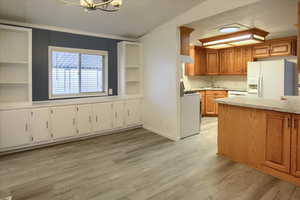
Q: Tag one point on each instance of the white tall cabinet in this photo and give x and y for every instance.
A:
(130, 68)
(15, 65)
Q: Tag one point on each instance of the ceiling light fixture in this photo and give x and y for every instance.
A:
(229, 29)
(247, 37)
(90, 5)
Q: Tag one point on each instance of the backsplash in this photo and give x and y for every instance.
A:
(230, 82)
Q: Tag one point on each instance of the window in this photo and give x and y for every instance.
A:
(77, 72)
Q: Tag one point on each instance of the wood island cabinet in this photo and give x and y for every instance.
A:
(278, 141)
(266, 140)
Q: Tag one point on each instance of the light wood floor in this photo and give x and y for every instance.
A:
(137, 165)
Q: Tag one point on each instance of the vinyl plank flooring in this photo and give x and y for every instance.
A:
(137, 165)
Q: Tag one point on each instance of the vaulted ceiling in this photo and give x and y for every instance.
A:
(275, 16)
(136, 17)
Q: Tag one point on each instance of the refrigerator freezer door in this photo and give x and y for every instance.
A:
(272, 79)
(253, 78)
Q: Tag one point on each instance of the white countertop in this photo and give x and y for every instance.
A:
(292, 105)
(64, 102)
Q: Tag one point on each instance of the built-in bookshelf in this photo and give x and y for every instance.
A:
(130, 68)
(15, 65)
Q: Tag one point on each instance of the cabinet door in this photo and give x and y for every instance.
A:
(84, 119)
(63, 121)
(14, 128)
(247, 57)
(199, 65)
(133, 112)
(219, 96)
(40, 124)
(281, 49)
(118, 114)
(212, 62)
(102, 119)
(226, 61)
(296, 146)
(261, 51)
(278, 142)
(210, 105)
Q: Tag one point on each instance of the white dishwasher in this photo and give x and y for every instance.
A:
(190, 115)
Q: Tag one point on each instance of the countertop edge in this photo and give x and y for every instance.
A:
(226, 101)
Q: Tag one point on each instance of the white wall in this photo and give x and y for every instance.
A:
(161, 63)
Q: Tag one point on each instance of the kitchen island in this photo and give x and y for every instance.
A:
(261, 133)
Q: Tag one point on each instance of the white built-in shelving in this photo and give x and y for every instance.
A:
(15, 65)
(130, 68)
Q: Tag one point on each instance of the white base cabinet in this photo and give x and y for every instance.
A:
(35, 126)
(118, 115)
(102, 119)
(84, 119)
(14, 128)
(63, 122)
(133, 112)
(40, 125)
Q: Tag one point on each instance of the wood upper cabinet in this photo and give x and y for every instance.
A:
(212, 57)
(199, 65)
(278, 141)
(281, 49)
(261, 51)
(296, 146)
(185, 33)
(226, 61)
(276, 47)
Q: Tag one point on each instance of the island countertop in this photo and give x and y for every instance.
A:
(292, 105)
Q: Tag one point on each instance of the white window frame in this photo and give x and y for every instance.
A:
(82, 51)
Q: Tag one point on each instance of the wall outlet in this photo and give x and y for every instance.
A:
(110, 91)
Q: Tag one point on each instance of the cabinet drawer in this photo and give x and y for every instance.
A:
(218, 92)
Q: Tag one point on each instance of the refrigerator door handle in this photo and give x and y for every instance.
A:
(261, 86)
(258, 88)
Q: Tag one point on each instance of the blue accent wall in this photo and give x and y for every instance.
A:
(42, 39)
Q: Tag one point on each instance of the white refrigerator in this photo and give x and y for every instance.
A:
(272, 79)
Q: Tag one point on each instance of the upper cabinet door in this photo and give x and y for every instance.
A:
(103, 118)
(118, 114)
(84, 118)
(63, 121)
(212, 62)
(278, 142)
(248, 57)
(14, 128)
(133, 112)
(281, 49)
(199, 65)
(261, 51)
(40, 124)
(296, 146)
(226, 61)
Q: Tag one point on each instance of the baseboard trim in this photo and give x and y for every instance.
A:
(65, 140)
(161, 133)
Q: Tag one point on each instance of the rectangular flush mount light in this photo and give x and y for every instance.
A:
(247, 37)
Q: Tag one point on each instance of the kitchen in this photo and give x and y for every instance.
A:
(252, 84)
(220, 70)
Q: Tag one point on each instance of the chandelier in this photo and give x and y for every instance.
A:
(90, 5)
